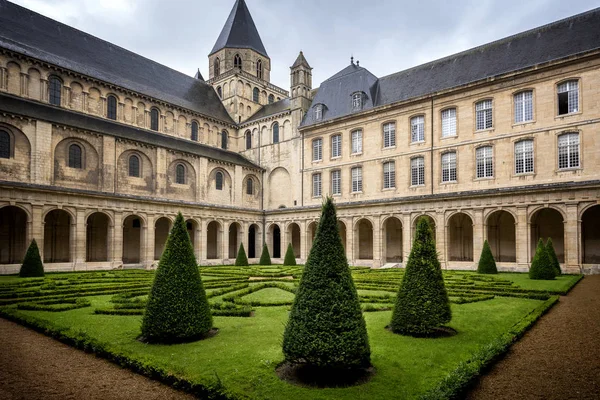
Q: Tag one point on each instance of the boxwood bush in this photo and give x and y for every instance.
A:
(32, 263)
(265, 257)
(241, 259)
(541, 266)
(290, 257)
(487, 264)
(553, 258)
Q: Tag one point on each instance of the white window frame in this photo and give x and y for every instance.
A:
(484, 161)
(524, 157)
(389, 175)
(572, 89)
(336, 182)
(417, 171)
(317, 146)
(449, 122)
(417, 129)
(569, 156)
(449, 167)
(523, 106)
(356, 173)
(357, 147)
(389, 135)
(336, 145)
(318, 112)
(357, 101)
(316, 181)
(484, 115)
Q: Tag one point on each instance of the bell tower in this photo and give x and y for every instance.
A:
(301, 86)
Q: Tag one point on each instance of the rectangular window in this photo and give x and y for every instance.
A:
(336, 182)
(356, 142)
(316, 185)
(417, 171)
(568, 97)
(449, 167)
(524, 157)
(568, 150)
(524, 106)
(389, 175)
(485, 162)
(318, 112)
(417, 129)
(449, 122)
(356, 179)
(357, 101)
(483, 116)
(336, 146)
(317, 150)
(389, 134)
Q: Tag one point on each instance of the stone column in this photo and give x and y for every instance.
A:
(102, 106)
(35, 228)
(572, 239)
(376, 243)
(73, 240)
(80, 240)
(440, 239)
(203, 240)
(149, 240)
(406, 237)
(84, 102)
(44, 89)
(350, 241)
(3, 79)
(121, 112)
(117, 240)
(522, 238)
(225, 243)
(24, 84)
(478, 235)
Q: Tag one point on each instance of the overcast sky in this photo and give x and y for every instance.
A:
(385, 35)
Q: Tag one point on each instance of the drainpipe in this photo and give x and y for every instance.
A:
(431, 166)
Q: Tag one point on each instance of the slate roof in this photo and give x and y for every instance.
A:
(57, 115)
(239, 31)
(270, 109)
(32, 34)
(557, 40)
(300, 60)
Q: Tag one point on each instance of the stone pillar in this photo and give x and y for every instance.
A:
(478, 234)
(44, 89)
(304, 240)
(204, 239)
(377, 248)
(148, 238)
(84, 102)
(24, 84)
(406, 237)
(80, 240)
(350, 241)
(3, 79)
(35, 228)
(117, 240)
(522, 238)
(73, 240)
(121, 112)
(440, 237)
(225, 242)
(102, 106)
(67, 91)
(572, 240)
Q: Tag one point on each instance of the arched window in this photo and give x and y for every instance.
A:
(4, 144)
(255, 95)
(217, 66)
(111, 107)
(224, 138)
(249, 186)
(259, 69)
(220, 92)
(180, 174)
(75, 156)
(134, 166)
(248, 140)
(271, 99)
(237, 61)
(194, 131)
(54, 90)
(154, 119)
(275, 132)
(219, 181)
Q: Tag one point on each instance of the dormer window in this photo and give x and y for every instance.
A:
(318, 112)
(357, 100)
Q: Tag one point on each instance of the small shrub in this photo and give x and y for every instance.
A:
(290, 257)
(32, 263)
(541, 267)
(487, 264)
(265, 257)
(553, 258)
(241, 259)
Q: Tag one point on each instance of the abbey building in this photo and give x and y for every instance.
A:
(100, 148)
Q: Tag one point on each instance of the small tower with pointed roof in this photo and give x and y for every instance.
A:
(301, 86)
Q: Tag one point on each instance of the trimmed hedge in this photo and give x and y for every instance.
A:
(32, 266)
(290, 257)
(56, 305)
(541, 267)
(553, 258)
(487, 264)
(265, 257)
(241, 259)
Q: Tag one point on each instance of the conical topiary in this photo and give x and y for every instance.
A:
(487, 264)
(265, 258)
(326, 328)
(241, 259)
(541, 267)
(553, 258)
(177, 309)
(32, 263)
(290, 257)
(422, 304)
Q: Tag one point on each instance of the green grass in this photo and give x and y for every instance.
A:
(269, 294)
(562, 283)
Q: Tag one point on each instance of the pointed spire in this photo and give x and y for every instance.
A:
(301, 61)
(199, 75)
(239, 31)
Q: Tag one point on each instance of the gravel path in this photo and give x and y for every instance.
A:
(559, 358)
(33, 366)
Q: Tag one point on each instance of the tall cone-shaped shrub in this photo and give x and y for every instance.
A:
(422, 303)
(32, 263)
(487, 264)
(541, 267)
(326, 328)
(290, 257)
(265, 257)
(177, 309)
(553, 258)
(241, 260)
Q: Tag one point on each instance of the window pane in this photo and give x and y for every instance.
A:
(180, 175)
(449, 167)
(4, 144)
(154, 119)
(357, 179)
(249, 186)
(389, 175)
(248, 140)
(357, 142)
(219, 181)
(568, 150)
(417, 129)
(54, 91)
(316, 185)
(111, 107)
(483, 114)
(449, 122)
(75, 156)
(336, 146)
(336, 183)
(417, 167)
(485, 164)
(389, 135)
(134, 166)
(524, 156)
(317, 150)
(275, 132)
(523, 106)
(195, 131)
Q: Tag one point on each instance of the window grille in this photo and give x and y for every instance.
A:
(568, 150)
(134, 166)
(449, 122)
(568, 97)
(316, 185)
(356, 179)
(389, 134)
(356, 142)
(336, 182)
(524, 106)
(336, 146)
(417, 171)
(485, 162)
(417, 129)
(4, 144)
(75, 156)
(483, 117)
(389, 175)
(449, 167)
(317, 150)
(55, 91)
(180, 174)
(524, 156)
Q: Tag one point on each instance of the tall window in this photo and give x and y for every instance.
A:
(568, 97)
(248, 140)
(389, 134)
(318, 112)
(154, 119)
(336, 182)
(180, 174)
(275, 132)
(357, 100)
(220, 92)
(75, 156)
(259, 69)
(483, 115)
(249, 186)
(485, 162)
(4, 144)
(224, 137)
(134, 166)
(417, 171)
(449, 167)
(271, 99)
(217, 66)
(389, 175)
(317, 150)
(237, 61)
(54, 90)
(219, 180)
(568, 150)
(356, 142)
(417, 129)
(336, 146)
(449, 122)
(316, 178)
(111, 107)
(356, 179)
(194, 131)
(524, 157)
(255, 95)
(524, 106)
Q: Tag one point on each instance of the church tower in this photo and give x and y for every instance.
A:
(301, 85)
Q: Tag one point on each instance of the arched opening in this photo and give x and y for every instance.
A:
(154, 116)
(57, 237)
(213, 241)
(342, 230)
(224, 137)
(548, 223)
(252, 242)
(111, 107)
(294, 238)
(192, 227)
(590, 235)
(97, 231)
(217, 67)
(13, 235)
(132, 239)
(237, 61)
(501, 236)
(460, 238)
(393, 240)
(259, 69)
(311, 232)
(275, 241)
(248, 140)
(235, 231)
(161, 233)
(431, 225)
(275, 130)
(364, 240)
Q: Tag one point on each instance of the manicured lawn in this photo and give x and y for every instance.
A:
(269, 294)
